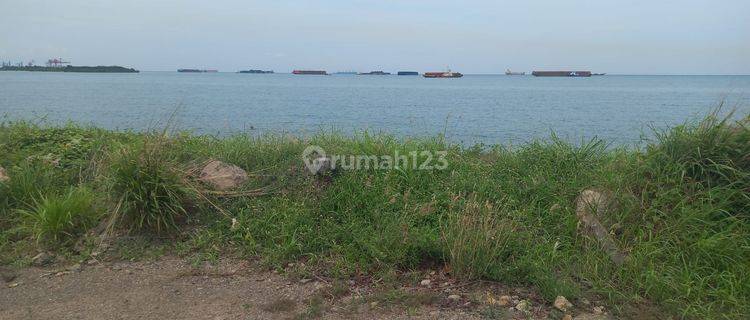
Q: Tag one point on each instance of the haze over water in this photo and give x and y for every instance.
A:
(476, 108)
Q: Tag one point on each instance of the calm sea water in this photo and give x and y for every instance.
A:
(476, 108)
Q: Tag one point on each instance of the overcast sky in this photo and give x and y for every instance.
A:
(623, 36)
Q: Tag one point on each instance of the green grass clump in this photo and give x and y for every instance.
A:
(147, 185)
(58, 219)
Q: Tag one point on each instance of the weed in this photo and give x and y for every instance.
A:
(147, 185)
(57, 219)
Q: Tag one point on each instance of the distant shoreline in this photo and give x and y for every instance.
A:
(86, 69)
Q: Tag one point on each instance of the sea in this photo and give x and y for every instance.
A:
(621, 110)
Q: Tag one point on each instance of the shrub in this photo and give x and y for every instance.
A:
(148, 186)
(58, 218)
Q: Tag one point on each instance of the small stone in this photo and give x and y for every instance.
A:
(305, 281)
(523, 306)
(504, 301)
(567, 317)
(13, 285)
(561, 303)
(425, 282)
(76, 267)
(4, 175)
(454, 297)
(599, 310)
(373, 304)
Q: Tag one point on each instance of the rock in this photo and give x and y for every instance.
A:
(305, 281)
(42, 259)
(373, 304)
(454, 297)
(13, 285)
(504, 301)
(599, 310)
(589, 205)
(223, 176)
(562, 304)
(425, 282)
(4, 175)
(567, 317)
(523, 306)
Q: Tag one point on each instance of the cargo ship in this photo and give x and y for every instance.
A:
(255, 71)
(197, 70)
(374, 73)
(408, 73)
(310, 72)
(511, 73)
(561, 73)
(447, 74)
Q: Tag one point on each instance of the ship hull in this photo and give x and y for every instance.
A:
(442, 75)
(561, 73)
(310, 72)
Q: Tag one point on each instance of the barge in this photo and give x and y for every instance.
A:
(310, 72)
(561, 73)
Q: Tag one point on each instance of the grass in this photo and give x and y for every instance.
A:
(57, 219)
(497, 213)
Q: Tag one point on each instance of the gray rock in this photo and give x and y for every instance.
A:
(590, 205)
(223, 176)
(454, 297)
(425, 282)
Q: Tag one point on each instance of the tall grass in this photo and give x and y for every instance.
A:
(147, 185)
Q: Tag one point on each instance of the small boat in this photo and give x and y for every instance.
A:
(310, 72)
(598, 74)
(511, 73)
(447, 74)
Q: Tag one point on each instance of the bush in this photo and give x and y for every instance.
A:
(147, 185)
(55, 219)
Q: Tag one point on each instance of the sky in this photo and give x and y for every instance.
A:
(623, 36)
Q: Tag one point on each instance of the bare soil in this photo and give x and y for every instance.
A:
(170, 288)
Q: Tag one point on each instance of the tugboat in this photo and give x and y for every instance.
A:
(447, 74)
(511, 73)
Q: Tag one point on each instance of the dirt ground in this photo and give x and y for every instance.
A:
(171, 289)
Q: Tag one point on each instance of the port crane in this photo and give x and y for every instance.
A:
(56, 62)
